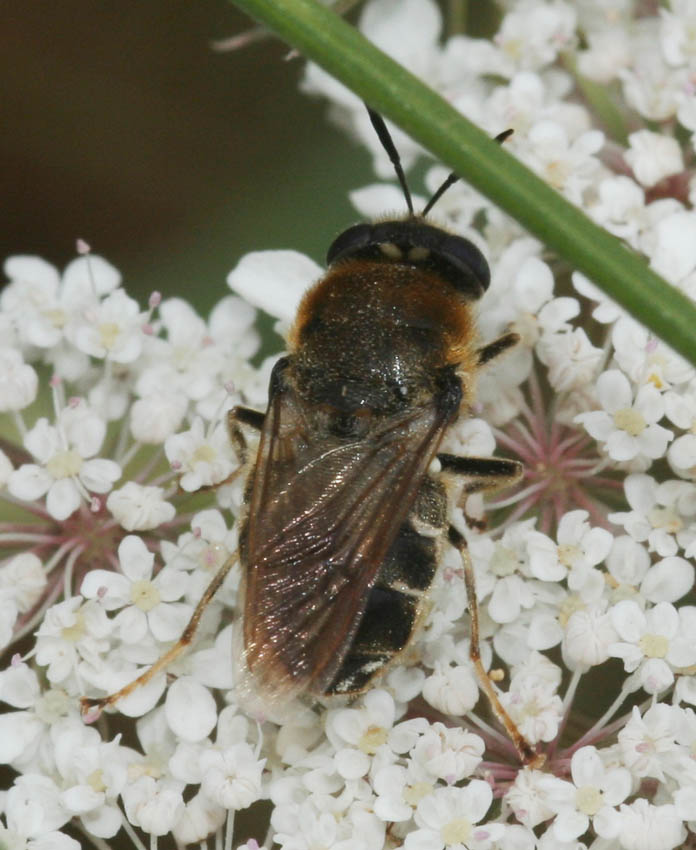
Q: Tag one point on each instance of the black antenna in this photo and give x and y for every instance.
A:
(453, 178)
(392, 153)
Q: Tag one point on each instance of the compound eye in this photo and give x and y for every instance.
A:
(470, 262)
(350, 242)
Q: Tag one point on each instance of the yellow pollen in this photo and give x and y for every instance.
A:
(55, 317)
(568, 554)
(182, 356)
(629, 420)
(65, 464)
(656, 381)
(53, 704)
(144, 595)
(108, 332)
(413, 794)
(96, 780)
(76, 631)
(654, 646)
(372, 740)
(504, 561)
(666, 519)
(589, 800)
(569, 606)
(203, 454)
(457, 831)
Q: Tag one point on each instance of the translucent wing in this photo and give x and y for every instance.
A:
(323, 513)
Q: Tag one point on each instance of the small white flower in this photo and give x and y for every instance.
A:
(648, 744)
(533, 706)
(111, 329)
(627, 427)
(34, 812)
(673, 253)
(620, 208)
(187, 364)
(532, 37)
(138, 508)
(644, 826)
(157, 416)
(653, 156)
(660, 513)
(571, 358)
(567, 165)
(19, 382)
(655, 642)
(647, 360)
(232, 777)
(70, 632)
(365, 728)
(452, 690)
(591, 796)
(203, 551)
(588, 636)
(448, 818)
(147, 603)
(203, 459)
(92, 775)
(23, 577)
(399, 790)
(530, 796)
(154, 805)
(68, 470)
(446, 753)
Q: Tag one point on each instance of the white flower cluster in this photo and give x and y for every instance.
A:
(585, 582)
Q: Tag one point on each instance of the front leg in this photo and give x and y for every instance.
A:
(497, 347)
(245, 416)
(485, 473)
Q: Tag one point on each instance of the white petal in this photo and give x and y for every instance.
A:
(663, 619)
(655, 676)
(597, 424)
(622, 446)
(135, 559)
(628, 620)
(190, 710)
(42, 441)
(669, 580)
(614, 391)
(113, 589)
(587, 768)
(274, 280)
(63, 499)
(570, 824)
(167, 621)
(478, 796)
(29, 482)
(87, 277)
(99, 474)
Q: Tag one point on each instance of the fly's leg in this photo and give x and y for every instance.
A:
(486, 473)
(92, 708)
(525, 750)
(498, 346)
(244, 416)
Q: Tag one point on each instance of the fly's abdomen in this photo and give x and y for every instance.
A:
(397, 600)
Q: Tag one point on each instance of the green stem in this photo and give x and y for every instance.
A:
(390, 89)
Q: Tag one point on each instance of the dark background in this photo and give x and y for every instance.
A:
(121, 126)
